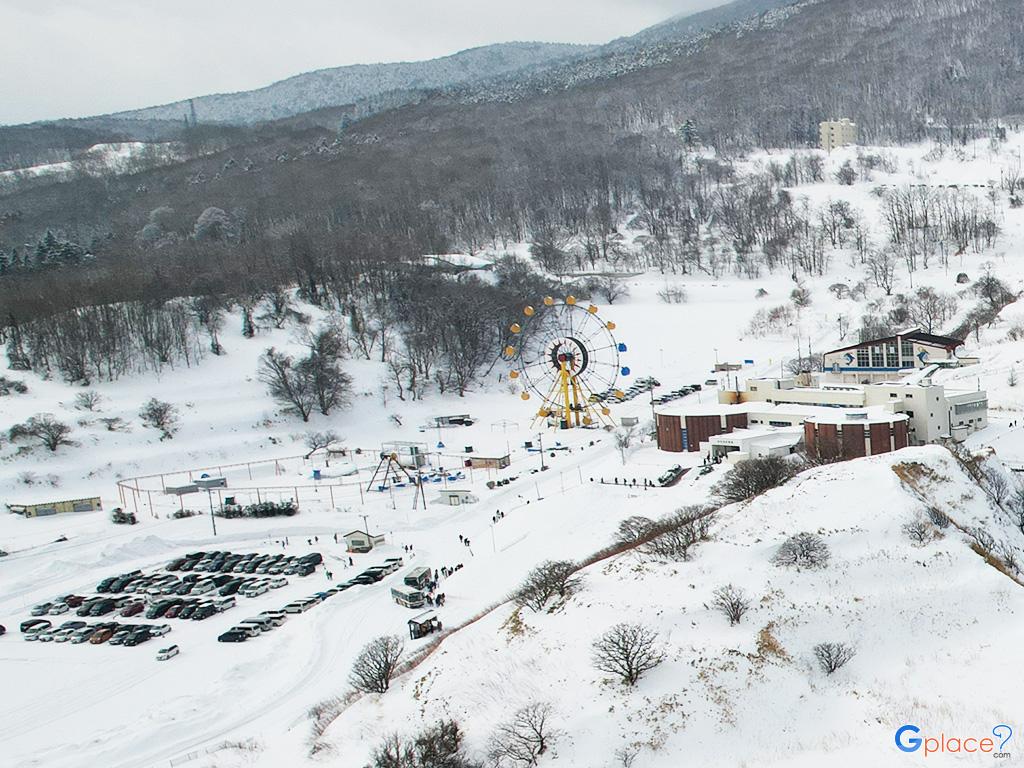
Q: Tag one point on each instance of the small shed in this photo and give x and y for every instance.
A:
(181, 490)
(361, 541)
(459, 419)
(455, 498)
(496, 461)
(424, 624)
(45, 508)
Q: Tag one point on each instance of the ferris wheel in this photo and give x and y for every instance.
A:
(566, 356)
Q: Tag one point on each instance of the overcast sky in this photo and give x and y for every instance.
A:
(69, 58)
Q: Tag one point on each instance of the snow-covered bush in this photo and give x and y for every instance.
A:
(376, 664)
(160, 415)
(753, 477)
(628, 651)
(520, 741)
(437, 746)
(803, 550)
(550, 579)
(732, 602)
(833, 656)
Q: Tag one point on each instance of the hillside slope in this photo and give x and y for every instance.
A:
(920, 617)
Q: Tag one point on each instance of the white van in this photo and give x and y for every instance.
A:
(249, 630)
(167, 653)
(265, 623)
(275, 617)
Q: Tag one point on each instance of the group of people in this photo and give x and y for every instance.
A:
(498, 515)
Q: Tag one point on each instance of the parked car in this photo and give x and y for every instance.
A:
(275, 617)
(203, 612)
(35, 625)
(74, 600)
(226, 604)
(138, 637)
(187, 611)
(159, 629)
(132, 608)
(46, 636)
(82, 635)
(41, 610)
(120, 636)
(58, 608)
(254, 590)
(279, 582)
(63, 635)
(101, 636)
(167, 653)
(232, 636)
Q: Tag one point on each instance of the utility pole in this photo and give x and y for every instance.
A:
(540, 443)
(213, 519)
(366, 528)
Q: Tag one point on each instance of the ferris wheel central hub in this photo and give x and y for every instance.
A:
(566, 355)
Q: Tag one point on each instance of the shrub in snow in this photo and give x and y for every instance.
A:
(262, 509)
(938, 518)
(672, 294)
(550, 579)
(628, 651)
(437, 746)
(519, 742)
(833, 656)
(12, 386)
(803, 550)
(45, 428)
(120, 517)
(752, 477)
(160, 415)
(921, 531)
(672, 537)
(732, 602)
(376, 664)
(88, 400)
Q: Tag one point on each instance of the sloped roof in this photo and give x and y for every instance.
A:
(914, 335)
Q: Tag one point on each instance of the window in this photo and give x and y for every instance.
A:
(910, 396)
(891, 358)
(862, 358)
(907, 349)
(876, 357)
(910, 414)
(892, 394)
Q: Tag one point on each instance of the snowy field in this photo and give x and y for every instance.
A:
(936, 628)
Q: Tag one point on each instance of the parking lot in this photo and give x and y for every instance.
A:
(191, 588)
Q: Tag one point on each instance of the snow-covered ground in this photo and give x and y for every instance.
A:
(934, 626)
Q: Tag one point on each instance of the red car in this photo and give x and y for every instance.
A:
(173, 611)
(74, 601)
(132, 608)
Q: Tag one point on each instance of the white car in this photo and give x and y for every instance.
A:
(63, 635)
(276, 617)
(255, 590)
(278, 582)
(202, 587)
(159, 629)
(167, 653)
(45, 636)
(58, 608)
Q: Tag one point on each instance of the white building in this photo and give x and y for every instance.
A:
(934, 413)
(833, 134)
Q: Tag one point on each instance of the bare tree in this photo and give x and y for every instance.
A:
(881, 268)
(288, 383)
(628, 651)
(160, 415)
(755, 476)
(929, 309)
(521, 741)
(803, 550)
(624, 437)
(732, 602)
(833, 656)
(921, 531)
(376, 664)
(673, 536)
(550, 579)
(611, 287)
(88, 401)
(316, 441)
(45, 428)
(439, 746)
(996, 486)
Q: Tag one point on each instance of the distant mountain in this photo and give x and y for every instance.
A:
(348, 85)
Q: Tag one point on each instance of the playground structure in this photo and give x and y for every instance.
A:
(566, 355)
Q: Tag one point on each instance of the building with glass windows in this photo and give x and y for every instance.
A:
(879, 359)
